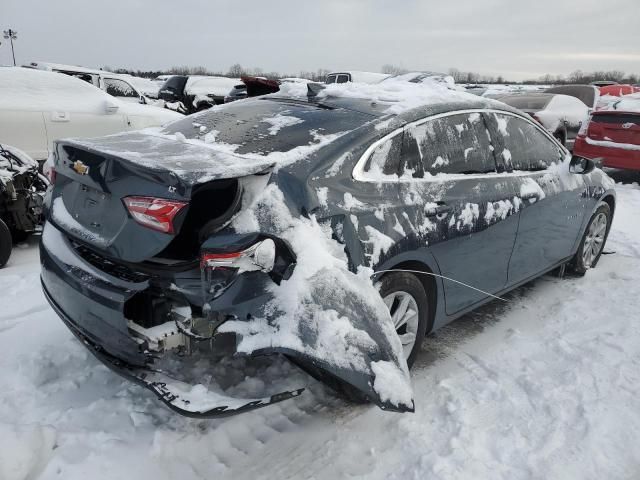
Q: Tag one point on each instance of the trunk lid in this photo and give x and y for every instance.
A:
(93, 176)
(617, 127)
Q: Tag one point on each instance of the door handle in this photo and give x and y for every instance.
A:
(440, 209)
(530, 196)
(58, 116)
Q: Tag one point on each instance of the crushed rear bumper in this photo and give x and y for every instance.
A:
(90, 303)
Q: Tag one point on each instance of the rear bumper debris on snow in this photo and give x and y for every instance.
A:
(186, 399)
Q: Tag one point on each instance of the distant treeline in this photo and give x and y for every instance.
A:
(237, 70)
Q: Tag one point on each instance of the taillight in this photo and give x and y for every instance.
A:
(154, 213)
(260, 256)
(584, 127)
(219, 270)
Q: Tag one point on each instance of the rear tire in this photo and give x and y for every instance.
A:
(6, 243)
(593, 240)
(396, 287)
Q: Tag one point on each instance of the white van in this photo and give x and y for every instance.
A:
(355, 76)
(116, 85)
(39, 107)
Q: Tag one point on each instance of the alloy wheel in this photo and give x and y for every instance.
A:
(594, 241)
(404, 314)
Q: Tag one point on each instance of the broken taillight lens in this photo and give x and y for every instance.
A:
(154, 213)
(259, 256)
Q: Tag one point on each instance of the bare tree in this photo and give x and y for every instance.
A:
(236, 70)
(393, 69)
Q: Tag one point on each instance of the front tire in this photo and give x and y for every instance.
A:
(593, 241)
(6, 243)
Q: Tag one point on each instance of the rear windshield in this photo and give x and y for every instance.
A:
(267, 125)
(175, 83)
(527, 102)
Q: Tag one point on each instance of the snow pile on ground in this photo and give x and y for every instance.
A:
(544, 386)
(323, 311)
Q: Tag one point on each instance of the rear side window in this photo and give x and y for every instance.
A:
(520, 145)
(385, 158)
(343, 78)
(458, 143)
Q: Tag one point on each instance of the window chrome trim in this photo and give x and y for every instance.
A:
(360, 175)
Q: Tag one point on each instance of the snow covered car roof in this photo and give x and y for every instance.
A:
(280, 129)
(29, 89)
(626, 103)
(26, 89)
(204, 85)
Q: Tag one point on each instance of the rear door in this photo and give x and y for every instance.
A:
(552, 201)
(469, 212)
(86, 112)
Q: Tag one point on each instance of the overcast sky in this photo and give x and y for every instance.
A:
(514, 38)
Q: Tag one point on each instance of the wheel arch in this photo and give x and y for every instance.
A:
(428, 282)
(610, 200)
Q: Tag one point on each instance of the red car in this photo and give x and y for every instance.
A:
(613, 135)
(618, 90)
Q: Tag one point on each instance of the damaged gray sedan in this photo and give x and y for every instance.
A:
(336, 229)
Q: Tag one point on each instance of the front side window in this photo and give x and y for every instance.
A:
(520, 145)
(454, 144)
(119, 88)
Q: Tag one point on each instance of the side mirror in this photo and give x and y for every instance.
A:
(581, 165)
(143, 100)
(110, 107)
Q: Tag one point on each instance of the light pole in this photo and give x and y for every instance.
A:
(11, 35)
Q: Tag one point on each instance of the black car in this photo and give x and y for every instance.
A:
(193, 93)
(265, 221)
(22, 190)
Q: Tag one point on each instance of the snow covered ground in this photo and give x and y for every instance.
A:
(544, 386)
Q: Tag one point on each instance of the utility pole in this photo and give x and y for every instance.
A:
(11, 35)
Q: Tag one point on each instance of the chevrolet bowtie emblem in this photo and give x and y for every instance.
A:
(80, 168)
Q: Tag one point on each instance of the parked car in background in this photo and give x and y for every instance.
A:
(424, 77)
(252, 87)
(355, 76)
(561, 115)
(618, 90)
(119, 86)
(588, 94)
(612, 135)
(604, 83)
(38, 107)
(257, 86)
(22, 190)
(194, 242)
(145, 86)
(191, 93)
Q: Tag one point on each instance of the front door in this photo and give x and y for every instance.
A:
(552, 200)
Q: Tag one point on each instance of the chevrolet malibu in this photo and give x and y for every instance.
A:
(335, 228)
